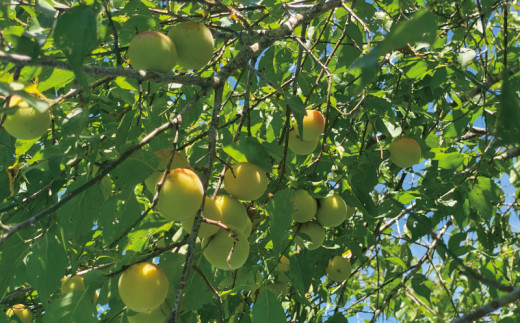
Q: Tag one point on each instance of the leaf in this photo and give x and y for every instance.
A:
(76, 35)
(23, 146)
(12, 89)
(297, 274)
(337, 318)
(514, 174)
(422, 287)
(508, 117)
(393, 129)
(448, 160)
(483, 195)
(348, 53)
(279, 212)
(197, 293)
(119, 213)
(76, 217)
(12, 253)
(396, 261)
(268, 308)
(465, 56)
(71, 307)
(297, 108)
(421, 27)
(251, 150)
(417, 70)
(47, 264)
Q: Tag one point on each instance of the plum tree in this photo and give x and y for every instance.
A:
(153, 51)
(245, 181)
(82, 198)
(211, 211)
(405, 152)
(179, 161)
(315, 233)
(313, 125)
(217, 248)
(181, 195)
(233, 212)
(26, 123)
(338, 269)
(304, 205)
(301, 147)
(19, 310)
(143, 287)
(194, 43)
(332, 211)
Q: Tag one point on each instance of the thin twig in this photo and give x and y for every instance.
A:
(217, 105)
(490, 307)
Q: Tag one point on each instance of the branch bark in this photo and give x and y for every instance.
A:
(103, 71)
(490, 307)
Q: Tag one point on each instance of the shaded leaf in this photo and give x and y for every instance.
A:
(267, 308)
(76, 35)
(251, 150)
(47, 264)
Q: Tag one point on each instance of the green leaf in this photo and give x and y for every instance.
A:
(297, 108)
(197, 293)
(465, 56)
(77, 216)
(448, 160)
(47, 264)
(23, 146)
(397, 261)
(76, 35)
(113, 225)
(508, 117)
(483, 195)
(71, 307)
(13, 89)
(337, 318)
(422, 27)
(268, 308)
(279, 212)
(422, 286)
(514, 174)
(417, 70)
(12, 253)
(348, 53)
(297, 272)
(251, 150)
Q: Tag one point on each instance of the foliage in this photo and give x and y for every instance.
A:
(429, 243)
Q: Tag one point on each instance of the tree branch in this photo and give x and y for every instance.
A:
(490, 307)
(102, 71)
(217, 105)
